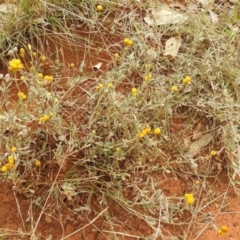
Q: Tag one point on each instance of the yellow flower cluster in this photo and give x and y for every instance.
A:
(187, 80)
(43, 58)
(48, 78)
(189, 198)
(147, 131)
(8, 165)
(213, 153)
(128, 42)
(22, 52)
(174, 88)
(157, 131)
(4, 168)
(15, 65)
(37, 163)
(116, 55)
(22, 96)
(13, 149)
(222, 230)
(148, 66)
(11, 159)
(110, 85)
(148, 77)
(99, 7)
(44, 118)
(134, 91)
(118, 149)
(144, 132)
(99, 86)
(40, 76)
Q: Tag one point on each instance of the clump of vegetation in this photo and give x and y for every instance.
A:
(161, 104)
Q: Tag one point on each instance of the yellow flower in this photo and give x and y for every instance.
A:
(21, 96)
(118, 149)
(11, 159)
(22, 78)
(99, 7)
(116, 55)
(174, 88)
(141, 134)
(147, 130)
(157, 131)
(148, 65)
(41, 120)
(44, 118)
(148, 77)
(224, 229)
(40, 75)
(128, 42)
(15, 65)
(34, 54)
(110, 85)
(188, 195)
(187, 80)
(4, 168)
(144, 132)
(213, 153)
(13, 149)
(48, 78)
(43, 58)
(125, 40)
(220, 232)
(29, 47)
(99, 86)
(72, 65)
(189, 198)
(134, 91)
(22, 52)
(9, 165)
(37, 163)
